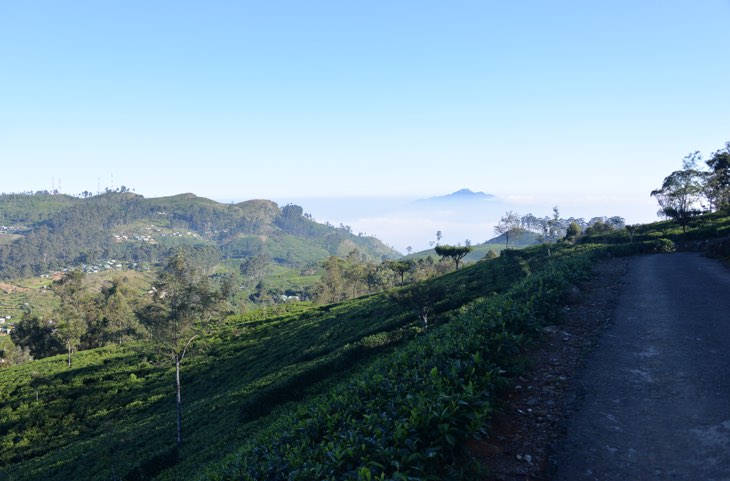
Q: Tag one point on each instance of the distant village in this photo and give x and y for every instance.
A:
(5, 325)
(12, 229)
(152, 232)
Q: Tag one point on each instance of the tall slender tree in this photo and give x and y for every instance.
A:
(121, 321)
(70, 314)
(182, 310)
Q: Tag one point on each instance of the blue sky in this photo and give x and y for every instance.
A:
(533, 101)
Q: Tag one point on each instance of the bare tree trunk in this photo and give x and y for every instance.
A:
(68, 344)
(423, 313)
(178, 401)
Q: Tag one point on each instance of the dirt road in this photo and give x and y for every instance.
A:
(654, 398)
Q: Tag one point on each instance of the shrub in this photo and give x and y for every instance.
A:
(664, 245)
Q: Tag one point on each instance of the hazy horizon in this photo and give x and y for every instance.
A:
(575, 104)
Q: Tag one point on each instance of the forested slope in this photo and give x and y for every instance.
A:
(56, 231)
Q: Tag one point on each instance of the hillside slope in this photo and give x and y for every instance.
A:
(45, 232)
(112, 415)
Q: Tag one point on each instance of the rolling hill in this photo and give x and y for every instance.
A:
(45, 232)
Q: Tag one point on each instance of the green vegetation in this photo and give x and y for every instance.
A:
(387, 381)
(455, 253)
(708, 232)
(405, 415)
(689, 192)
(180, 311)
(385, 386)
(49, 234)
(43, 232)
(510, 225)
(32, 207)
(115, 403)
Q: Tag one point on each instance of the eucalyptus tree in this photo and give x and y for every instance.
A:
(121, 320)
(717, 186)
(681, 194)
(70, 315)
(182, 309)
(331, 287)
(510, 225)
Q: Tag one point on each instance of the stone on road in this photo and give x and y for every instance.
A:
(654, 398)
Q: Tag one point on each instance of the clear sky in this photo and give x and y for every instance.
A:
(235, 100)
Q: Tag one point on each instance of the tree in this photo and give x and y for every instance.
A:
(572, 232)
(439, 236)
(331, 287)
(37, 336)
(616, 222)
(509, 225)
(12, 354)
(182, 309)
(121, 321)
(551, 229)
(401, 268)
(631, 231)
(354, 274)
(717, 187)
(70, 315)
(531, 223)
(456, 253)
(555, 226)
(681, 192)
(254, 268)
(420, 298)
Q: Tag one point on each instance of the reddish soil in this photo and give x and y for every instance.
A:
(524, 431)
(9, 288)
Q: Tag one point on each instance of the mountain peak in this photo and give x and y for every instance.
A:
(469, 193)
(460, 195)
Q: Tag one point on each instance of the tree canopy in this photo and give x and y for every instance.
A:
(510, 225)
(680, 196)
(456, 253)
(717, 185)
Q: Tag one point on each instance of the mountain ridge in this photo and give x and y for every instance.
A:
(59, 231)
(458, 196)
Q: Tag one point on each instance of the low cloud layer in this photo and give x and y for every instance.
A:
(402, 222)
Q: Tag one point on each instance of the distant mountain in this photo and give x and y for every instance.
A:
(45, 232)
(463, 195)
